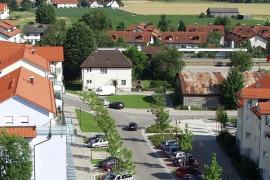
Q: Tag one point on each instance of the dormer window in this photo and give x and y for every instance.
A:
(114, 37)
(215, 30)
(169, 38)
(192, 30)
(195, 38)
(139, 38)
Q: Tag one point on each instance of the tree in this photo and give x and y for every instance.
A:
(166, 64)
(45, 14)
(125, 161)
(103, 40)
(231, 85)
(241, 60)
(77, 47)
(39, 2)
(139, 62)
(55, 34)
(26, 5)
(214, 38)
(97, 20)
(267, 23)
(84, 3)
(212, 172)
(225, 21)
(222, 117)
(15, 161)
(121, 26)
(185, 139)
(202, 15)
(181, 26)
(13, 6)
(164, 23)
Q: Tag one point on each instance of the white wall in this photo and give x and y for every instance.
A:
(182, 45)
(50, 157)
(258, 41)
(32, 38)
(17, 38)
(5, 14)
(99, 79)
(66, 5)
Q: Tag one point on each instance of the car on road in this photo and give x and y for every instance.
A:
(114, 176)
(177, 154)
(98, 136)
(132, 126)
(97, 143)
(108, 163)
(167, 143)
(186, 171)
(171, 149)
(117, 105)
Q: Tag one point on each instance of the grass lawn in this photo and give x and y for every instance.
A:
(133, 101)
(87, 122)
(145, 83)
(95, 161)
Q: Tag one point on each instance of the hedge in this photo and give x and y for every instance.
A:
(158, 138)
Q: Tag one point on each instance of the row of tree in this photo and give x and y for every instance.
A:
(108, 127)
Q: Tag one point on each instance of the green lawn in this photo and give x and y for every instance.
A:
(95, 161)
(87, 122)
(72, 15)
(133, 101)
(145, 83)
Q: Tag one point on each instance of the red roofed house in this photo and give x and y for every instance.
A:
(9, 32)
(253, 124)
(4, 11)
(65, 3)
(258, 36)
(202, 89)
(28, 109)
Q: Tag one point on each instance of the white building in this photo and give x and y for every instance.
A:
(253, 124)
(9, 32)
(65, 3)
(27, 108)
(95, 4)
(4, 11)
(107, 67)
(32, 33)
(113, 4)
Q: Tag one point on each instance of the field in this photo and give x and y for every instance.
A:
(72, 15)
(189, 8)
(133, 101)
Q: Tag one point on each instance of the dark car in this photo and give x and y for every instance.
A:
(107, 163)
(98, 136)
(117, 105)
(187, 171)
(132, 126)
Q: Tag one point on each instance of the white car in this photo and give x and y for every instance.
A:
(97, 143)
(113, 176)
(177, 154)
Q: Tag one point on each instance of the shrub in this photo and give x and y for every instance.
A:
(156, 84)
(154, 128)
(202, 15)
(158, 138)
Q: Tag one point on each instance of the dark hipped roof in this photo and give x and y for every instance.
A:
(35, 28)
(106, 59)
(223, 10)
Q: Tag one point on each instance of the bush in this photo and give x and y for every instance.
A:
(155, 129)
(156, 84)
(157, 138)
(202, 15)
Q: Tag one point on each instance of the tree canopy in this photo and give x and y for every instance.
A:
(97, 20)
(181, 26)
(164, 23)
(225, 21)
(241, 60)
(77, 47)
(214, 171)
(214, 38)
(230, 86)
(185, 139)
(139, 62)
(166, 64)
(15, 161)
(222, 117)
(45, 14)
(121, 26)
(26, 5)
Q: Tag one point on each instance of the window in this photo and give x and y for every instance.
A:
(267, 121)
(88, 69)
(24, 119)
(265, 154)
(89, 81)
(103, 70)
(249, 103)
(255, 39)
(123, 82)
(248, 134)
(8, 120)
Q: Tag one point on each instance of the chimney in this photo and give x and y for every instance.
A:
(33, 51)
(31, 79)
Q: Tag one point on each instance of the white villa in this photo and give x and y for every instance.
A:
(65, 3)
(4, 11)
(9, 32)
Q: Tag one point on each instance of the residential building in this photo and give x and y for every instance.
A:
(253, 124)
(32, 33)
(95, 4)
(107, 67)
(28, 109)
(4, 11)
(202, 89)
(65, 3)
(9, 32)
(113, 4)
(257, 36)
(222, 12)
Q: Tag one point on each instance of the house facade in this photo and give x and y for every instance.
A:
(9, 32)
(65, 3)
(107, 67)
(253, 124)
(4, 11)
(222, 12)
(202, 89)
(95, 4)
(32, 33)
(113, 4)
(34, 118)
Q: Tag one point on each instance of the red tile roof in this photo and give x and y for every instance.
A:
(130, 36)
(51, 53)
(184, 37)
(9, 29)
(23, 131)
(18, 83)
(145, 28)
(206, 28)
(263, 108)
(3, 7)
(65, 1)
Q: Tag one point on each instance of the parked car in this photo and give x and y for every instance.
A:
(170, 150)
(117, 105)
(186, 171)
(177, 154)
(114, 176)
(97, 143)
(108, 163)
(98, 136)
(187, 160)
(132, 126)
(165, 144)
